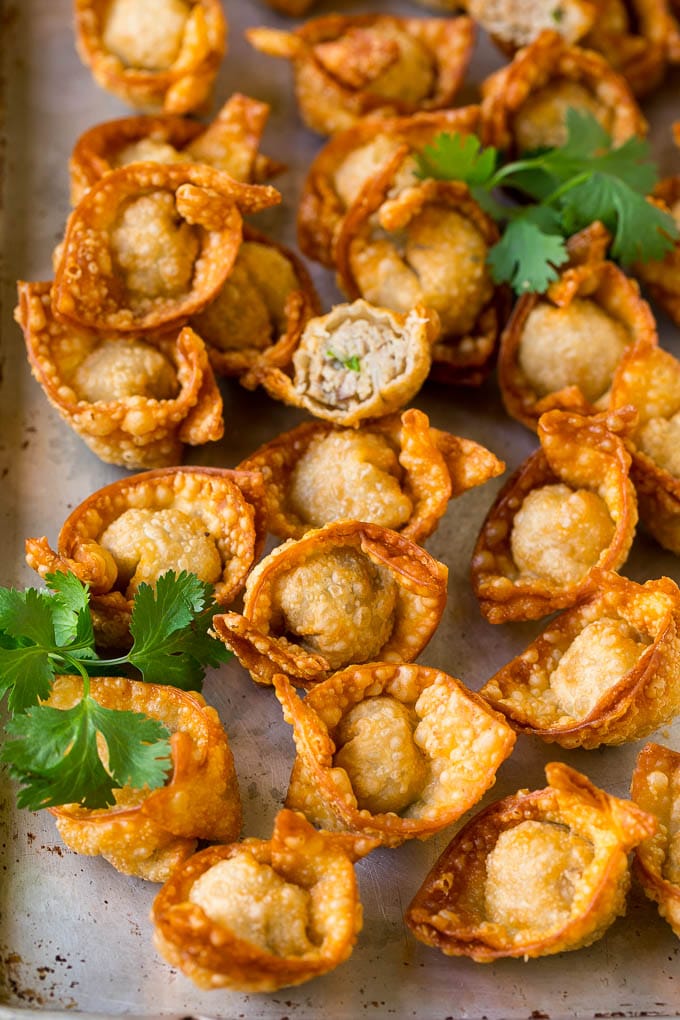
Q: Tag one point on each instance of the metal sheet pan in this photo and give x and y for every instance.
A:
(74, 934)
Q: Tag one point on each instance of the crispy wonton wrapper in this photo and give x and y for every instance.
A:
(649, 378)
(656, 865)
(155, 58)
(397, 472)
(230, 143)
(427, 245)
(661, 278)
(110, 273)
(396, 751)
(604, 672)
(359, 361)
(634, 37)
(349, 592)
(536, 873)
(263, 914)
(147, 833)
(561, 349)
(209, 521)
(349, 160)
(567, 513)
(135, 401)
(350, 66)
(524, 104)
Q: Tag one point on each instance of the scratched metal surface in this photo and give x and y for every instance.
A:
(74, 934)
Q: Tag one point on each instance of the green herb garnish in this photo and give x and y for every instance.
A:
(353, 362)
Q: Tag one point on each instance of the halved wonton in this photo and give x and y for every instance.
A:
(148, 833)
(393, 751)
(536, 873)
(656, 788)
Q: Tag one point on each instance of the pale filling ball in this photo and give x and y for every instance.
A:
(559, 533)
(117, 369)
(145, 33)
(154, 248)
(255, 903)
(349, 475)
(532, 875)
(340, 604)
(148, 150)
(542, 118)
(659, 438)
(363, 163)
(578, 345)
(377, 750)
(145, 543)
(383, 59)
(411, 77)
(596, 660)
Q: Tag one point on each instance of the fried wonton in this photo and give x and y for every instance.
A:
(536, 873)
(151, 244)
(135, 400)
(525, 104)
(153, 54)
(656, 788)
(633, 36)
(147, 833)
(394, 751)
(250, 312)
(567, 513)
(359, 361)
(649, 378)
(230, 143)
(604, 672)
(561, 349)
(350, 66)
(661, 278)
(263, 914)
(513, 24)
(397, 472)
(346, 593)
(208, 521)
(427, 245)
(351, 158)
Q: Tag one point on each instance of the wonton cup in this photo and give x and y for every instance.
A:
(130, 54)
(147, 833)
(230, 143)
(345, 593)
(151, 244)
(536, 873)
(350, 159)
(655, 788)
(208, 521)
(359, 361)
(135, 401)
(263, 914)
(351, 66)
(634, 38)
(397, 472)
(605, 672)
(392, 750)
(578, 517)
(524, 104)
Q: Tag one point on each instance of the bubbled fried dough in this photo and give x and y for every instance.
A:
(655, 787)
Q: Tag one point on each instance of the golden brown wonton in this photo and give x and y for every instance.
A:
(357, 362)
(351, 158)
(147, 833)
(151, 244)
(566, 514)
(349, 66)
(153, 54)
(135, 400)
(208, 521)
(604, 672)
(346, 593)
(230, 143)
(649, 378)
(397, 472)
(394, 751)
(263, 914)
(656, 789)
(525, 103)
(536, 873)
(661, 278)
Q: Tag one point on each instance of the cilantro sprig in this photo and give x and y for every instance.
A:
(54, 752)
(568, 188)
(352, 362)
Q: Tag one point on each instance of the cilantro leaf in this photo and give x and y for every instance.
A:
(27, 614)
(456, 157)
(27, 672)
(70, 607)
(526, 257)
